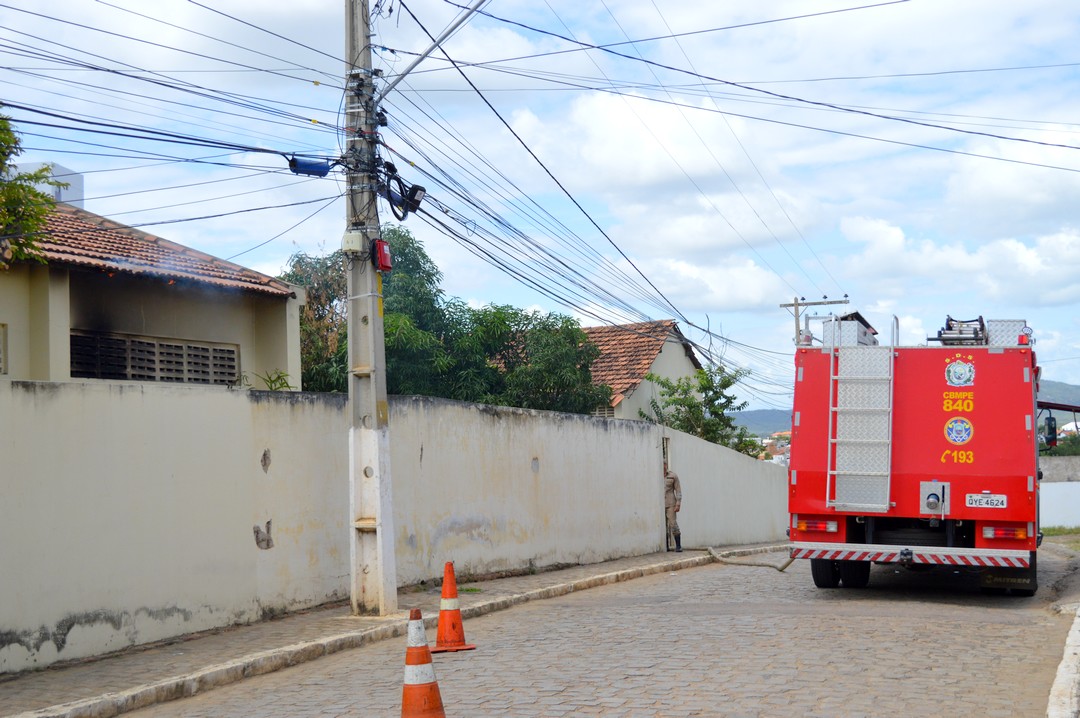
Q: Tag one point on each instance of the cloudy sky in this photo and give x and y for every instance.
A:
(703, 161)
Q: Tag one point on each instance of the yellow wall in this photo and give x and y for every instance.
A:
(15, 314)
(41, 305)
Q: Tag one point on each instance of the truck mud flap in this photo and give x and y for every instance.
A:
(1024, 581)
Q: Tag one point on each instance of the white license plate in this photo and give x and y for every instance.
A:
(987, 501)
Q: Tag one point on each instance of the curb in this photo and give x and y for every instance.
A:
(257, 664)
(1063, 702)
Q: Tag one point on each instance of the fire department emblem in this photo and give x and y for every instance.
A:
(959, 372)
(958, 430)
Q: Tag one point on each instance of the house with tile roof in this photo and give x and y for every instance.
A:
(628, 352)
(114, 302)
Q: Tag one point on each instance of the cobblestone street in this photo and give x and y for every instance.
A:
(718, 640)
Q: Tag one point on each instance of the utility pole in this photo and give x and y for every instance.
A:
(371, 554)
(796, 303)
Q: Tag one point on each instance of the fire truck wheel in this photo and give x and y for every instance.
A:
(855, 574)
(825, 572)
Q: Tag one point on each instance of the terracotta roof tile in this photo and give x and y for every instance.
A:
(627, 351)
(81, 238)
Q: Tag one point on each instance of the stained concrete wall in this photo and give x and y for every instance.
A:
(496, 489)
(1060, 468)
(127, 511)
(728, 498)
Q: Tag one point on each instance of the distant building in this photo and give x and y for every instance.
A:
(777, 448)
(628, 352)
(72, 194)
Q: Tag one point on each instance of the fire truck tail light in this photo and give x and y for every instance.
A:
(812, 525)
(1004, 532)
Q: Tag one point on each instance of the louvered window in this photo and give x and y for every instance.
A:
(606, 412)
(101, 355)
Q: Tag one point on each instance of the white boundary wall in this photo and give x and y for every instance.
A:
(127, 510)
(1060, 468)
(728, 497)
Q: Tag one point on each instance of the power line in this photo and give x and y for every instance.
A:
(268, 32)
(543, 166)
(230, 98)
(915, 145)
(674, 35)
(727, 175)
(181, 220)
(930, 73)
(757, 170)
(136, 132)
(329, 202)
(777, 95)
(524, 274)
(143, 41)
(336, 79)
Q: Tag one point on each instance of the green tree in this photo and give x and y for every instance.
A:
(555, 371)
(412, 288)
(414, 319)
(440, 347)
(701, 405)
(1069, 445)
(411, 317)
(511, 357)
(23, 208)
(323, 343)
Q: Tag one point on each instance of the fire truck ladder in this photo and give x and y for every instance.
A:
(860, 433)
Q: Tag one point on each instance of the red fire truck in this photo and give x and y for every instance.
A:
(919, 456)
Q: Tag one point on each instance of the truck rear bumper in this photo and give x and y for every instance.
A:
(973, 557)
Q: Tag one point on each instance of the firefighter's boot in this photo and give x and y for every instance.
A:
(678, 543)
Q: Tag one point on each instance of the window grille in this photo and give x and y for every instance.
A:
(102, 355)
(606, 412)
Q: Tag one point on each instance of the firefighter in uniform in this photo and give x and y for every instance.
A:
(672, 505)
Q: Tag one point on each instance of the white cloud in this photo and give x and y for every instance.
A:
(904, 231)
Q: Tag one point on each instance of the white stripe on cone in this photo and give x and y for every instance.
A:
(419, 675)
(417, 635)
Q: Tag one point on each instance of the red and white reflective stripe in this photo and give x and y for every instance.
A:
(949, 557)
(449, 604)
(977, 561)
(845, 555)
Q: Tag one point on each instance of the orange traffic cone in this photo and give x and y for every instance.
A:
(420, 696)
(451, 634)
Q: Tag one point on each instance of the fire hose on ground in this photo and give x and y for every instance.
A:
(722, 558)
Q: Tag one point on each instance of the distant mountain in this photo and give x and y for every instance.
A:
(1059, 392)
(763, 422)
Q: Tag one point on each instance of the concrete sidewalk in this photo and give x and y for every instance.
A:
(189, 665)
